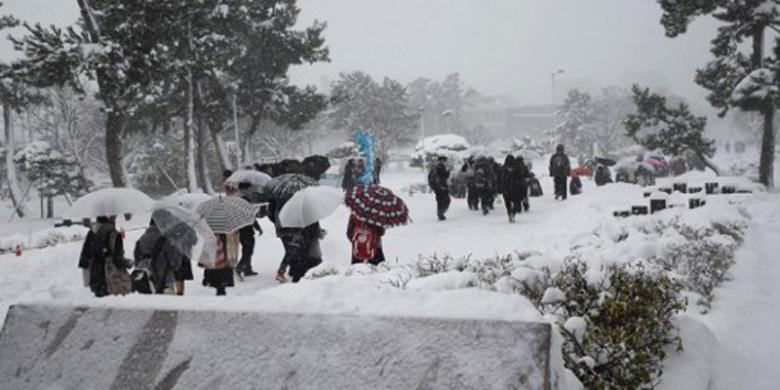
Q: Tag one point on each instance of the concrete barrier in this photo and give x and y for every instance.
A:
(57, 347)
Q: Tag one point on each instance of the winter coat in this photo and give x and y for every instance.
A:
(350, 177)
(310, 255)
(603, 176)
(513, 179)
(559, 165)
(438, 177)
(485, 175)
(96, 250)
(157, 254)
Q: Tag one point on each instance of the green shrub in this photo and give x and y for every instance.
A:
(615, 328)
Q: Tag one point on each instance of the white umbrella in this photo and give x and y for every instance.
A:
(255, 178)
(108, 202)
(188, 201)
(310, 205)
(187, 231)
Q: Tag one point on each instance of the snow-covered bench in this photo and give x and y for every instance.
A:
(48, 347)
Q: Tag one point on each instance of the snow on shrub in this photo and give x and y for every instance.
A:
(615, 329)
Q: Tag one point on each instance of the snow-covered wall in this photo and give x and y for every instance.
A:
(60, 347)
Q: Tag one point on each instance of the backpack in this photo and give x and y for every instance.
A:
(559, 165)
(535, 187)
(364, 241)
(117, 279)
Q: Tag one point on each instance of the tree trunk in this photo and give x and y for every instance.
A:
(235, 129)
(709, 164)
(219, 146)
(189, 140)
(114, 124)
(766, 168)
(766, 171)
(49, 207)
(203, 146)
(10, 166)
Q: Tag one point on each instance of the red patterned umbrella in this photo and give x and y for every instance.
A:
(377, 206)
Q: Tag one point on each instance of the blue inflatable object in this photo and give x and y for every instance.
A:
(365, 143)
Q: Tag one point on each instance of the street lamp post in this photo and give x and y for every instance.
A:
(552, 78)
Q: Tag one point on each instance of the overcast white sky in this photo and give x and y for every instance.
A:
(507, 47)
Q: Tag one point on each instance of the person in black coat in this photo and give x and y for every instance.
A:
(560, 168)
(103, 242)
(485, 183)
(472, 196)
(513, 184)
(438, 180)
(246, 236)
(350, 175)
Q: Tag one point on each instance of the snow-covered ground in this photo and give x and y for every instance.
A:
(732, 344)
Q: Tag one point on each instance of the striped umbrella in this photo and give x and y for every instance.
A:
(283, 187)
(225, 215)
(378, 206)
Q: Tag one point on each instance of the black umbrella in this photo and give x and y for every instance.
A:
(605, 162)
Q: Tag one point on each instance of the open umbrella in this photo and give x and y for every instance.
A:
(187, 201)
(187, 231)
(226, 215)
(108, 202)
(256, 179)
(605, 161)
(310, 205)
(283, 187)
(378, 206)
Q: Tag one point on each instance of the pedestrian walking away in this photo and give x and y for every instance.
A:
(560, 168)
(438, 179)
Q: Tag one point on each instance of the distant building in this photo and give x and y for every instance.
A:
(506, 120)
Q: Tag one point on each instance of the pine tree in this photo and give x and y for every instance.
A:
(672, 130)
(736, 77)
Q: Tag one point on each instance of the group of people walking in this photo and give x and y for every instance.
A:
(486, 179)
(160, 268)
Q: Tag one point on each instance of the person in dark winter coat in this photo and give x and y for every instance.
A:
(438, 180)
(350, 175)
(103, 243)
(512, 181)
(377, 171)
(485, 183)
(560, 168)
(525, 172)
(307, 253)
(246, 236)
(472, 196)
(603, 176)
(155, 253)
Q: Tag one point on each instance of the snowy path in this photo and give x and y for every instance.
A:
(746, 314)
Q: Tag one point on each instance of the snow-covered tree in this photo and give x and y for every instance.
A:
(359, 102)
(13, 97)
(741, 74)
(52, 173)
(436, 98)
(672, 130)
(593, 125)
(577, 129)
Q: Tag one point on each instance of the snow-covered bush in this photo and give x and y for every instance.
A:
(444, 145)
(615, 326)
(52, 172)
